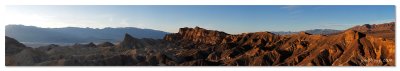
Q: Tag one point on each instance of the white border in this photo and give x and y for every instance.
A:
(191, 2)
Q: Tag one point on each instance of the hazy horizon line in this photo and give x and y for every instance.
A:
(184, 27)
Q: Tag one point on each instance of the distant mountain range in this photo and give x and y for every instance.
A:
(77, 35)
(83, 35)
(314, 31)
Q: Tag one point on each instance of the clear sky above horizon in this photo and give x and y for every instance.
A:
(232, 19)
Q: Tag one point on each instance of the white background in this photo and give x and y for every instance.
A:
(192, 2)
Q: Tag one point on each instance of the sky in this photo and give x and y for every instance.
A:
(233, 19)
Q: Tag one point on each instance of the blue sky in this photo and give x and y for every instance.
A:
(232, 19)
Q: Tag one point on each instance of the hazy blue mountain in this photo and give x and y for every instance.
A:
(314, 31)
(77, 35)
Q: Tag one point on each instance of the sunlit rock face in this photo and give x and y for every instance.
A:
(201, 47)
(197, 35)
(349, 47)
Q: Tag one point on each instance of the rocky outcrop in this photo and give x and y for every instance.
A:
(79, 45)
(201, 47)
(91, 44)
(13, 46)
(385, 30)
(375, 27)
(196, 35)
(18, 54)
(264, 48)
(131, 42)
(106, 44)
(29, 57)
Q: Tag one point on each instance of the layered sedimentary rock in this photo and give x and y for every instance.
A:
(264, 48)
(196, 35)
(202, 47)
(385, 30)
(375, 27)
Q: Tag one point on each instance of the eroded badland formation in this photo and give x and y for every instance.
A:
(366, 45)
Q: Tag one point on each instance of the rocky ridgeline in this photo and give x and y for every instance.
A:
(197, 35)
(375, 27)
(264, 48)
(201, 47)
(386, 30)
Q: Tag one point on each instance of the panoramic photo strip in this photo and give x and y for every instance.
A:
(200, 35)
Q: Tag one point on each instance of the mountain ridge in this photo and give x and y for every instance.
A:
(201, 47)
(76, 34)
